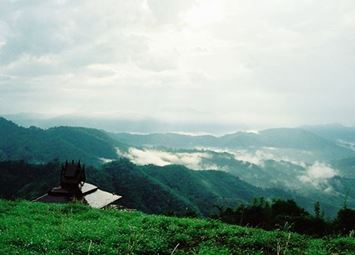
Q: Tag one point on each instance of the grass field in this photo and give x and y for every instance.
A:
(35, 228)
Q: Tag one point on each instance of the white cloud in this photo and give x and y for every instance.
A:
(106, 160)
(147, 156)
(259, 156)
(318, 175)
(347, 144)
(264, 63)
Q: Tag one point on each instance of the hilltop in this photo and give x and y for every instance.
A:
(36, 228)
(40, 145)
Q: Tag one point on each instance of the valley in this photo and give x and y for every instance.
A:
(222, 170)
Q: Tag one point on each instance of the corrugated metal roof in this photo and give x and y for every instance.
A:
(100, 198)
(90, 195)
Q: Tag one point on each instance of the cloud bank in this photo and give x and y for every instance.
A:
(259, 156)
(265, 63)
(193, 160)
(318, 175)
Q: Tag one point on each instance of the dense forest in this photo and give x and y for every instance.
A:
(288, 216)
(176, 190)
(152, 189)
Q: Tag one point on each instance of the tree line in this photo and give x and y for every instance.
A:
(20, 180)
(288, 216)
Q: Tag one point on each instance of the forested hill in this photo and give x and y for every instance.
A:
(165, 190)
(299, 164)
(39, 145)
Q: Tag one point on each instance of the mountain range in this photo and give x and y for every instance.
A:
(307, 164)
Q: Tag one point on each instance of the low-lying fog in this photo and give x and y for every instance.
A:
(285, 170)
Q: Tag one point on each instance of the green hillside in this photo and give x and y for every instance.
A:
(169, 190)
(35, 228)
(152, 189)
(40, 145)
(184, 191)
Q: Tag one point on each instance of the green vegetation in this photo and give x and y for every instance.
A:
(273, 178)
(35, 228)
(38, 145)
(287, 214)
(176, 189)
(171, 190)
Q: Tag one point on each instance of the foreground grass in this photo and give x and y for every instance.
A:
(35, 228)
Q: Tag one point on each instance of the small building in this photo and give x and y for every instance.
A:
(73, 188)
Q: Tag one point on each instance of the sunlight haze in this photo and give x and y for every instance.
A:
(252, 63)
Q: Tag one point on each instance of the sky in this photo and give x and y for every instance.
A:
(252, 62)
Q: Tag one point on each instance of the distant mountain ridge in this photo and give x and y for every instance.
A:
(287, 138)
(334, 132)
(39, 145)
(286, 160)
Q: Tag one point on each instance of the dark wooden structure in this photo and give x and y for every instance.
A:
(74, 188)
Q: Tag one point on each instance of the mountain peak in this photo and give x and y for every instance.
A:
(6, 123)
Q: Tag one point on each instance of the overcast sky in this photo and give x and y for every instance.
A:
(257, 62)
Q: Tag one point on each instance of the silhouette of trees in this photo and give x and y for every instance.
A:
(345, 220)
(287, 215)
(317, 213)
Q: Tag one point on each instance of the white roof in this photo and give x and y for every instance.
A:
(100, 198)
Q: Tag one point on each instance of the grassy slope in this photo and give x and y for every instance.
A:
(35, 228)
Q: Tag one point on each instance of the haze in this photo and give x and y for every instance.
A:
(255, 63)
